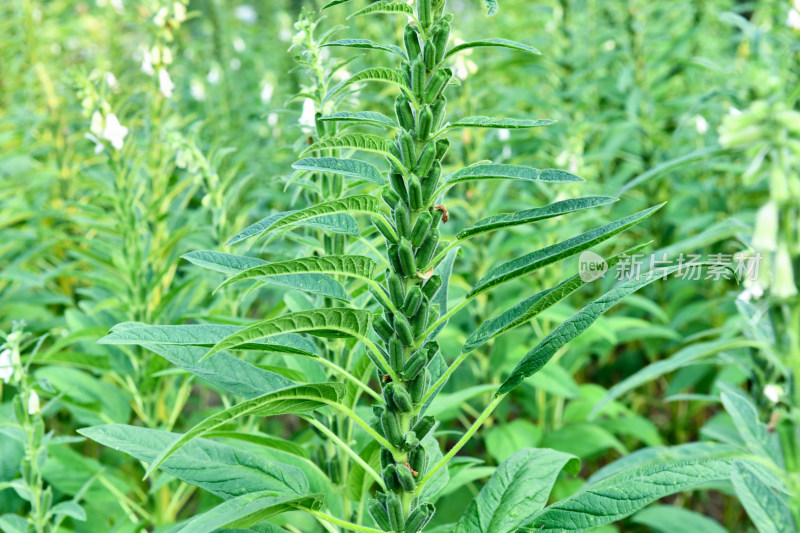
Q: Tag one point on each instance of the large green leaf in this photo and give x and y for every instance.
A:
(350, 168)
(502, 43)
(334, 322)
(510, 172)
(532, 215)
(755, 435)
(221, 261)
(380, 74)
(356, 266)
(245, 511)
(527, 309)
(624, 493)
(369, 45)
(336, 223)
(528, 263)
(767, 509)
(519, 488)
(674, 519)
(504, 123)
(291, 400)
(218, 468)
(535, 359)
(387, 6)
(356, 141)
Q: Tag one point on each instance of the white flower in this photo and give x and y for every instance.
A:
(773, 393)
(701, 124)
(197, 90)
(309, 112)
(793, 20)
(147, 63)
(765, 234)
(503, 134)
(754, 292)
(110, 80)
(266, 92)
(213, 75)
(6, 367)
(114, 132)
(165, 84)
(33, 404)
(180, 11)
(161, 17)
(166, 56)
(246, 13)
(97, 123)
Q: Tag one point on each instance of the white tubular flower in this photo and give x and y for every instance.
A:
(774, 393)
(504, 134)
(793, 19)
(165, 84)
(6, 366)
(147, 63)
(97, 123)
(34, 407)
(309, 111)
(114, 132)
(765, 234)
(783, 281)
(701, 124)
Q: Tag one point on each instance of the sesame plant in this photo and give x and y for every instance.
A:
(357, 357)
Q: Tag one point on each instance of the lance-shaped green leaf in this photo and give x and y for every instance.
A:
(221, 261)
(356, 141)
(527, 309)
(218, 468)
(355, 266)
(502, 43)
(504, 123)
(674, 519)
(519, 488)
(622, 494)
(336, 223)
(334, 322)
(257, 228)
(334, 3)
(755, 435)
(510, 172)
(369, 45)
(534, 360)
(767, 509)
(245, 511)
(399, 8)
(528, 263)
(349, 168)
(361, 117)
(379, 74)
(532, 215)
(291, 400)
(203, 335)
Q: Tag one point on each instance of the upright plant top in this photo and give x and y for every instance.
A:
(400, 339)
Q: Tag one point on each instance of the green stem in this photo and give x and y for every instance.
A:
(443, 379)
(348, 450)
(366, 427)
(326, 518)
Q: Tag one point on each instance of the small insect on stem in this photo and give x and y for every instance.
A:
(427, 275)
(386, 378)
(445, 214)
(413, 472)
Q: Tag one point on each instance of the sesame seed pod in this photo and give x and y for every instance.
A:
(406, 478)
(396, 292)
(403, 329)
(396, 354)
(407, 264)
(421, 227)
(390, 196)
(440, 38)
(436, 84)
(438, 109)
(418, 460)
(418, 78)
(432, 286)
(382, 328)
(429, 55)
(427, 249)
(405, 116)
(393, 253)
(398, 183)
(408, 151)
(401, 221)
(391, 427)
(426, 159)
(415, 364)
(411, 40)
(395, 511)
(385, 230)
(402, 400)
(419, 386)
(413, 301)
(379, 515)
(423, 426)
(415, 192)
(389, 476)
(420, 517)
(442, 146)
(425, 13)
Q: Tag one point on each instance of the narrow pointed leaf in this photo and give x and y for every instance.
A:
(291, 400)
(349, 168)
(674, 519)
(218, 468)
(618, 496)
(379, 74)
(257, 228)
(401, 8)
(529, 308)
(355, 266)
(756, 436)
(369, 45)
(519, 488)
(221, 261)
(528, 263)
(510, 172)
(504, 123)
(334, 3)
(767, 509)
(534, 360)
(357, 141)
(532, 215)
(502, 43)
(334, 322)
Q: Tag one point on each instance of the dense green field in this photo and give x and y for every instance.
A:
(297, 266)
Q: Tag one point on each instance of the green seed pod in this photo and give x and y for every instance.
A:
(388, 393)
(419, 386)
(432, 286)
(385, 230)
(401, 221)
(394, 509)
(423, 426)
(402, 400)
(408, 151)
(411, 40)
(375, 423)
(420, 321)
(393, 253)
(406, 478)
(436, 84)
(426, 159)
(442, 146)
(415, 364)
(381, 497)
(390, 197)
(420, 517)
(413, 300)
(378, 363)
(396, 354)
(403, 330)
(437, 215)
(381, 297)
(399, 185)
(415, 192)
(424, 128)
(430, 183)
(396, 160)
(418, 77)
(396, 293)
(440, 37)
(425, 13)
(418, 460)
(386, 458)
(405, 116)
(406, 258)
(429, 55)
(320, 125)
(438, 109)
(427, 249)
(389, 475)
(406, 66)
(334, 470)
(410, 441)
(382, 328)
(391, 427)
(421, 227)
(378, 514)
